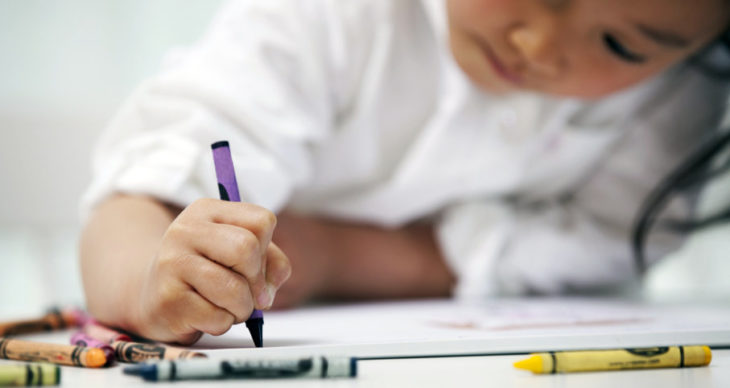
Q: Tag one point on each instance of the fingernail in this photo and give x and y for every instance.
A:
(271, 290)
(266, 298)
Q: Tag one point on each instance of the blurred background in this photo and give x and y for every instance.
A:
(66, 66)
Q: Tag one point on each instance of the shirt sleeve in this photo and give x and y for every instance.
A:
(259, 78)
(580, 241)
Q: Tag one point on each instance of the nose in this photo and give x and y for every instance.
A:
(538, 45)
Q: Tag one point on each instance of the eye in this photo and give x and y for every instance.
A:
(619, 50)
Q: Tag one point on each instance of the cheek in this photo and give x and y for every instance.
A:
(601, 79)
(479, 15)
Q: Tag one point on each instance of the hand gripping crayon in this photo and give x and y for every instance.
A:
(228, 190)
(53, 320)
(29, 375)
(81, 339)
(14, 349)
(134, 352)
(605, 360)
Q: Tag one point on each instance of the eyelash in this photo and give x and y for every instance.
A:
(613, 45)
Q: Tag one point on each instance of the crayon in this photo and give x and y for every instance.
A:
(29, 374)
(134, 352)
(605, 360)
(228, 190)
(14, 349)
(54, 320)
(102, 333)
(309, 367)
(81, 339)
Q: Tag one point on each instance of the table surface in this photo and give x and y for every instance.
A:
(473, 371)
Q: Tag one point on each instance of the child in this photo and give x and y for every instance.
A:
(411, 148)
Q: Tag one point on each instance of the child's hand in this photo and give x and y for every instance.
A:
(215, 264)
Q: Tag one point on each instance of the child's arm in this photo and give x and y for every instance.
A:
(171, 275)
(339, 260)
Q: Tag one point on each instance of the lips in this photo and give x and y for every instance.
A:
(499, 68)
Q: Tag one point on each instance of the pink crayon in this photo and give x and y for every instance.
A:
(80, 317)
(102, 333)
(81, 339)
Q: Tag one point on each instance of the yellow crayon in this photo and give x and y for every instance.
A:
(29, 374)
(605, 360)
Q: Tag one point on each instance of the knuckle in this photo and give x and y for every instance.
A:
(222, 324)
(204, 202)
(166, 300)
(263, 218)
(269, 218)
(176, 230)
(246, 245)
(199, 206)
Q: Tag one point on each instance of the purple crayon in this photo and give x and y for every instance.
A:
(81, 339)
(228, 189)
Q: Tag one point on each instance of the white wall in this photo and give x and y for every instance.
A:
(65, 67)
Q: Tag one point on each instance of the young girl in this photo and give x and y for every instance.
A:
(409, 149)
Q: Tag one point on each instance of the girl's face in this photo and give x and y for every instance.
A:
(579, 48)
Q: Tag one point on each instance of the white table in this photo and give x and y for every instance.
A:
(476, 371)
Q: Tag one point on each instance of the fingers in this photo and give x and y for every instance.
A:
(256, 219)
(219, 285)
(206, 317)
(278, 267)
(219, 257)
(235, 235)
(229, 246)
(174, 312)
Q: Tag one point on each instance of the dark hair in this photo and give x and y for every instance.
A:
(714, 60)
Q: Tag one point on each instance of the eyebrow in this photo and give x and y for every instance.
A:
(664, 38)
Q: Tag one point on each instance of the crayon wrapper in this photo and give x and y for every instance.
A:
(13, 349)
(135, 352)
(225, 174)
(54, 320)
(103, 333)
(605, 360)
(29, 374)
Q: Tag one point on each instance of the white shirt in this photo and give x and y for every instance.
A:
(355, 109)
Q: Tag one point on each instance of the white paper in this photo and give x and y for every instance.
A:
(448, 327)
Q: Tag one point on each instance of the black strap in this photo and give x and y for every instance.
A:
(676, 180)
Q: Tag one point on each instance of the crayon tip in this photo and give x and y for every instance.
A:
(134, 370)
(146, 371)
(95, 358)
(708, 355)
(109, 354)
(256, 328)
(533, 364)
